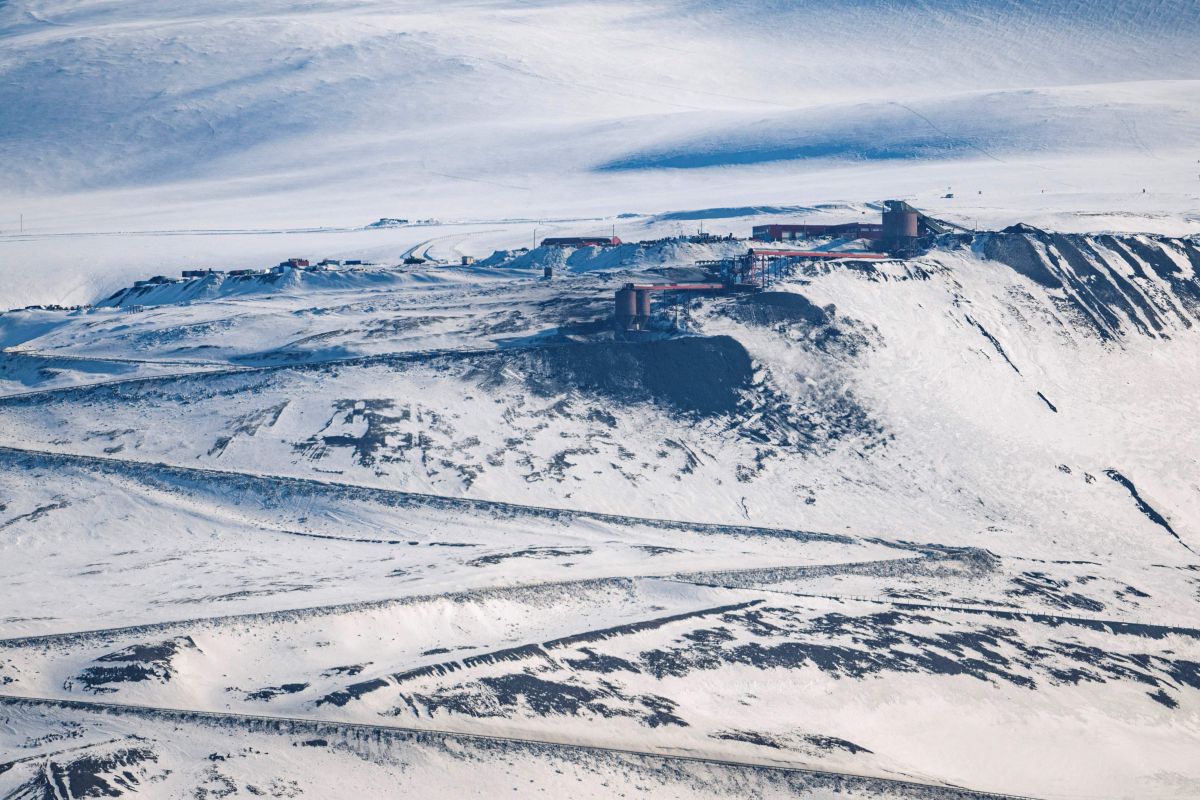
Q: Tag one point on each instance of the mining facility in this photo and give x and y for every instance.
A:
(633, 300)
(901, 234)
(901, 227)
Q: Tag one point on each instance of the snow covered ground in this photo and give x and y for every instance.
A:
(910, 528)
(891, 528)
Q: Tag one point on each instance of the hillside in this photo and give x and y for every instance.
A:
(324, 474)
(904, 526)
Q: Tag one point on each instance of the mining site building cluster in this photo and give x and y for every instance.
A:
(787, 233)
(901, 224)
(898, 234)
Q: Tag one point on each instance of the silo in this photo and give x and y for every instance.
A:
(643, 308)
(626, 310)
(900, 223)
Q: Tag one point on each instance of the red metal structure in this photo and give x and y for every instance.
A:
(751, 272)
(762, 266)
(821, 255)
(633, 300)
(676, 287)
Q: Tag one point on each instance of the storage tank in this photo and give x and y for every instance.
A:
(900, 223)
(643, 308)
(626, 309)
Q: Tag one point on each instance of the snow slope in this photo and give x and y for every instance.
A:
(921, 528)
(888, 529)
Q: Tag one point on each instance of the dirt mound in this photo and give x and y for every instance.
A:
(701, 375)
(769, 308)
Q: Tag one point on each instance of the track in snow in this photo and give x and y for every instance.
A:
(394, 497)
(313, 726)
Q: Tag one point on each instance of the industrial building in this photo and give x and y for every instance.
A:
(787, 233)
(901, 225)
(898, 235)
(633, 301)
(581, 241)
(754, 271)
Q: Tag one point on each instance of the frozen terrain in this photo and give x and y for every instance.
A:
(423, 523)
(911, 528)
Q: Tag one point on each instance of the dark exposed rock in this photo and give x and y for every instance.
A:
(834, 743)
(1108, 285)
(112, 774)
(352, 692)
(270, 692)
(133, 664)
(699, 375)
(530, 552)
(1151, 513)
(503, 695)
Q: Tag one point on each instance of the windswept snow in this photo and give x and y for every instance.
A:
(419, 521)
(889, 528)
